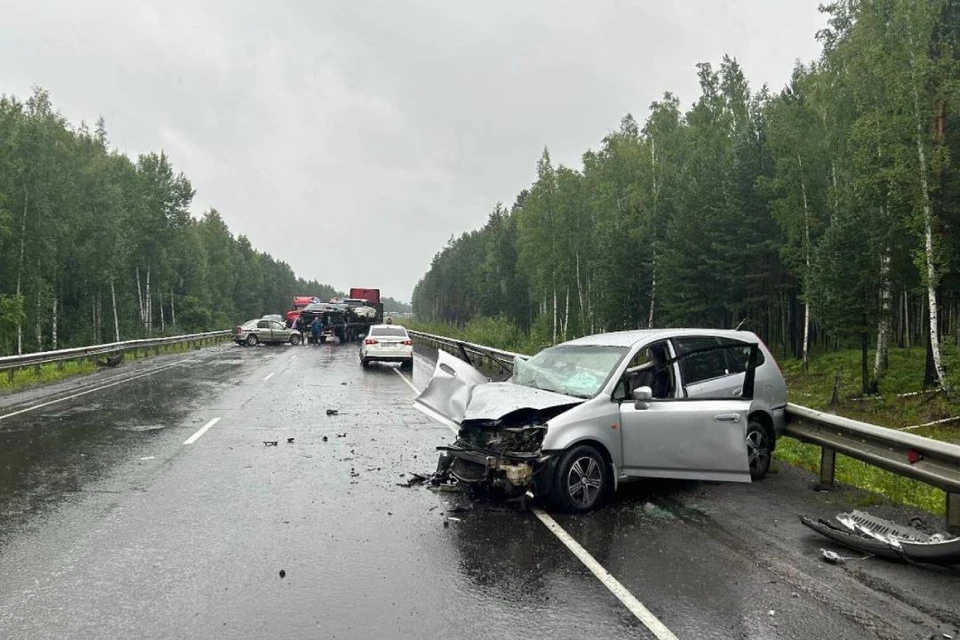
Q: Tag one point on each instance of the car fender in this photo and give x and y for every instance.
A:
(572, 427)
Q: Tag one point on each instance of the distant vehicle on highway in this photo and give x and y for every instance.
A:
(253, 332)
(577, 418)
(387, 343)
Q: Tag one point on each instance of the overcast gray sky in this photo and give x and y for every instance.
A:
(352, 138)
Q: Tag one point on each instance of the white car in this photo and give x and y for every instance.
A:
(387, 343)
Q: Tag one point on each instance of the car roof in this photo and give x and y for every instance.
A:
(385, 326)
(630, 338)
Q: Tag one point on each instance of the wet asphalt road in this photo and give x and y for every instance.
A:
(112, 527)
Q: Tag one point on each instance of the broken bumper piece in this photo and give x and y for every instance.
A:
(869, 534)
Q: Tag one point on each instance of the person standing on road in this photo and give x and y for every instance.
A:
(298, 326)
(315, 330)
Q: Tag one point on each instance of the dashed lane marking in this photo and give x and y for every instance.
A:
(269, 375)
(202, 430)
(644, 615)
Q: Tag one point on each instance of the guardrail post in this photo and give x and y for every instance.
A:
(828, 465)
(953, 512)
(10, 373)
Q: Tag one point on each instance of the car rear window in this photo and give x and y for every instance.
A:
(395, 332)
(738, 354)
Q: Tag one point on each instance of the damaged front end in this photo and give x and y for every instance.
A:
(501, 427)
(490, 453)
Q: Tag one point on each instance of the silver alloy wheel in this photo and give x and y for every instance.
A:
(758, 451)
(584, 481)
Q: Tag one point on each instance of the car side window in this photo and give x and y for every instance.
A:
(647, 368)
(263, 324)
(277, 326)
(706, 365)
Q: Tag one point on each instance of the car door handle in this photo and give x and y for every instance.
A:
(727, 417)
(737, 392)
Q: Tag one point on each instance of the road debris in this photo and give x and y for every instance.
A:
(270, 443)
(283, 574)
(290, 440)
(333, 412)
(414, 480)
(878, 537)
(324, 438)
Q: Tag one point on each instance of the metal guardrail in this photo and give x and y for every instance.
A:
(11, 364)
(930, 461)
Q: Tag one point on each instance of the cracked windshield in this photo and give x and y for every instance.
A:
(423, 319)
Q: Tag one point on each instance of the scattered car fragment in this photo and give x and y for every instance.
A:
(869, 534)
(577, 418)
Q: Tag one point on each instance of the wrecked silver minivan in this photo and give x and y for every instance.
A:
(577, 418)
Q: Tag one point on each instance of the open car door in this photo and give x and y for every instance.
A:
(699, 438)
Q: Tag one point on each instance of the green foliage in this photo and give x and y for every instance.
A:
(82, 225)
(752, 207)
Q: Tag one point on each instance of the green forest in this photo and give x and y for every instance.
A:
(823, 215)
(97, 247)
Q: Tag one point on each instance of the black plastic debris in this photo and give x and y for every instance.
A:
(290, 440)
(332, 412)
(414, 480)
(270, 443)
(324, 438)
(875, 536)
(283, 574)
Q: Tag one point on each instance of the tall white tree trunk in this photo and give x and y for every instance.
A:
(554, 314)
(149, 304)
(116, 320)
(881, 359)
(931, 275)
(140, 307)
(653, 294)
(162, 326)
(39, 328)
(173, 312)
(580, 296)
(53, 331)
(23, 239)
(931, 269)
(566, 315)
(806, 274)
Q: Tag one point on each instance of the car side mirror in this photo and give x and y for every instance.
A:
(642, 397)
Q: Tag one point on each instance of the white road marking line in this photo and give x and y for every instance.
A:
(269, 375)
(293, 357)
(622, 594)
(148, 458)
(88, 391)
(643, 614)
(201, 431)
(409, 384)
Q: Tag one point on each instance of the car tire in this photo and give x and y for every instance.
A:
(295, 339)
(759, 449)
(407, 364)
(364, 362)
(323, 339)
(252, 340)
(582, 480)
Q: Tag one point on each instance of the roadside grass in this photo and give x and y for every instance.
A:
(30, 376)
(814, 389)
(883, 485)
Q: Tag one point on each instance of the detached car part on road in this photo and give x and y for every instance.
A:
(577, 418)
(265, 330)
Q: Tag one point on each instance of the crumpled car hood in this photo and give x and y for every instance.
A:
(458, 393)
